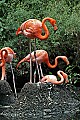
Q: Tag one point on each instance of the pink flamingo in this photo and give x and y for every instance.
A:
(6, 56)
(42, 56)
(33, 28)
(53, 78)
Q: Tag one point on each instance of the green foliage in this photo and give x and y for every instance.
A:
(73, 76)
(66, 41)
(3, 9)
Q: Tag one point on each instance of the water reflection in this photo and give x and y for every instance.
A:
(44, 102)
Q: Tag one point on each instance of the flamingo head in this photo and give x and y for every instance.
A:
(19, 31)
(53, 22)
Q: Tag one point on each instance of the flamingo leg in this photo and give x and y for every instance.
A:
(35, 76)
(41, 70)
(3, 73)
(30, 62)
(36, 59)
(13, 80)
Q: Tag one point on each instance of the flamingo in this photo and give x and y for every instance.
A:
(53, 78)
(6, 56)
(42, 57)
(32, 29)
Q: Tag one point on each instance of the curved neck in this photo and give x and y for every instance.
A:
(46, 35)
(55, 64)
(65, 77)
(61, 76)
(2, 62)
(23, 60)
(3, 73)
(10, 51)
(3, 56)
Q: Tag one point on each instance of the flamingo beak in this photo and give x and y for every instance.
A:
(55, 28)
(66, 80)
(67, 62)
(18, 31)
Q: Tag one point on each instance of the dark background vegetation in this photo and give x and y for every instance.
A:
(66, 41)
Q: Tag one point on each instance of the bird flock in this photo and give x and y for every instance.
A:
(33, 30)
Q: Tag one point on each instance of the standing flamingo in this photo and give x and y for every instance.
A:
(6, 56)
(33, 28)
(53, 78)
(42, 56)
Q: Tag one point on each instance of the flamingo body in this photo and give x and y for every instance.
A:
(53, 78)
(30, 28)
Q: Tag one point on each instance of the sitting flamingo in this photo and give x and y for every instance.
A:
(6, 56)
(42, 56)
(53, 78)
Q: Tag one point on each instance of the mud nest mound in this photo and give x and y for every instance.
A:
(5, 87)
(44, 102)
(6, 94)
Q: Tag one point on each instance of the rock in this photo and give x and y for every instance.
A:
(44, 101)
(6, 94)
(5, 87)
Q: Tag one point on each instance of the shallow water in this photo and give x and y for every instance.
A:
(41, 102)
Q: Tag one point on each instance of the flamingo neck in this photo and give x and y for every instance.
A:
(3, 56)
(3, 73)
(55, 64)
(46, 35)
(2, 63)
(10, 51)
(65, 77)
(23, 60)
(61, 76)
